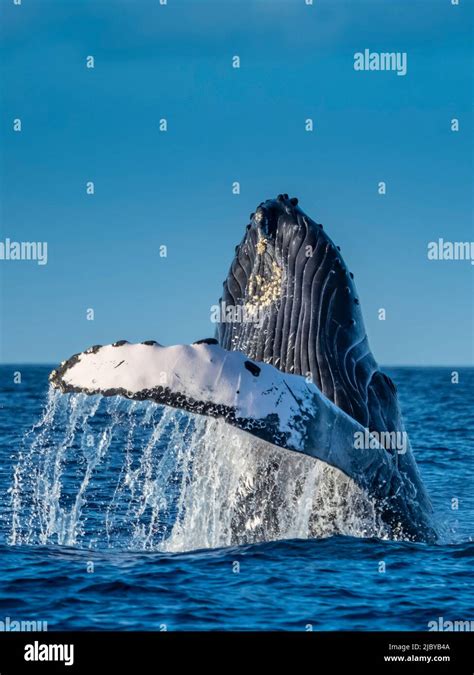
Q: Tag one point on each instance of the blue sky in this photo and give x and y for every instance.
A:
(226, 125)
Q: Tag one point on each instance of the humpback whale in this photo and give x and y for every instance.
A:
(290, 365)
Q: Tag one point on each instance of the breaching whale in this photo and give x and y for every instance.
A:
(290, 365)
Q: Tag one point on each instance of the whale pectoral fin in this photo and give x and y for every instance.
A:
(204, 378)
(200, 378)
(282, 409)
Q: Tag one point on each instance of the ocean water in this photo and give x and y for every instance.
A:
(126, 515)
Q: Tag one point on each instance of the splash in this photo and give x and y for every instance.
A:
(107, 472)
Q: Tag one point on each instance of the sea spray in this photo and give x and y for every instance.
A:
(107, 472)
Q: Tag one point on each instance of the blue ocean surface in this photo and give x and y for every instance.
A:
(122, 515)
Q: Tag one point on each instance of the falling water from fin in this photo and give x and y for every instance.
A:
(108, 472)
